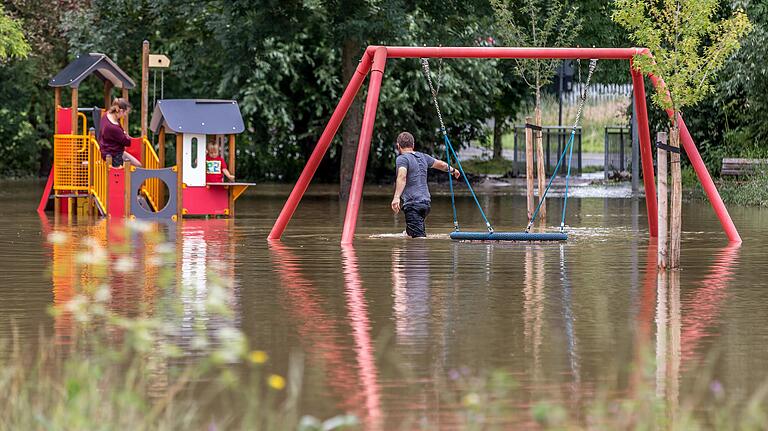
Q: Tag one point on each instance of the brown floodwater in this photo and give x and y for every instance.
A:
(385, 325)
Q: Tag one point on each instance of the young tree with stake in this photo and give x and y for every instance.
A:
(540, 24)
(690, 43)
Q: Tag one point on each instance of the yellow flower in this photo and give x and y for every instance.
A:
(276, 382)
(258, 357)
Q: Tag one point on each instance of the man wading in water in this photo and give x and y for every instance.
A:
(411, 184)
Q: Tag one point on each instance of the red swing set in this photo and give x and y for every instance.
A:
(374, 61)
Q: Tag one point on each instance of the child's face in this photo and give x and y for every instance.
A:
(213, 150)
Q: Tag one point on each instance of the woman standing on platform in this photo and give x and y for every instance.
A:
(113, 139)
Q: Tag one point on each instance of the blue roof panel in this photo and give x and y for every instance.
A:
(200, 116)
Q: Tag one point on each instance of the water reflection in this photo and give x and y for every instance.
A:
(351, 370)
(361, 331)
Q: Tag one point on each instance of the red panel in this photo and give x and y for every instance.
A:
(116, 193)
(209, 200)
(135, 148)
(64, 121)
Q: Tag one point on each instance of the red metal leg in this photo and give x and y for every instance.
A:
(645, 151)
(364, 145)
(46, 193)
(320, 149)
(703, 174)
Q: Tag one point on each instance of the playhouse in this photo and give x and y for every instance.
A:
(82, 182)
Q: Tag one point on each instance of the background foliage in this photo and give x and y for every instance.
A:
(282, 61)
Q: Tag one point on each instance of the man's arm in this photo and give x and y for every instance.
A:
(402, 174)
(442, 166)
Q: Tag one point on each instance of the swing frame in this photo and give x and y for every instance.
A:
(374, 61)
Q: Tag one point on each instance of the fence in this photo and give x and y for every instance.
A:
(598, 92)
(618, 150)
(554, 139)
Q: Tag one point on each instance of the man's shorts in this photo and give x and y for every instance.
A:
(415, 214)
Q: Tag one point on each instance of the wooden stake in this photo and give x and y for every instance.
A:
(107, 95)
(56, 106)
(231, 166)
(529, 168)
(128, 197)
(542, 173)
(74, 111)
(124, 95)
(144, 87)
(661, 158)
(676, 207)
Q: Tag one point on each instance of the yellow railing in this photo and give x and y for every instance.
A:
(99, 176)
(151, 187)
(70, 159)
(85, 124)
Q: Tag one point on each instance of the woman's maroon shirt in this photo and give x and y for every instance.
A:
(113, 139)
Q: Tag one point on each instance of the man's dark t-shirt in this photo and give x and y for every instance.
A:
(417, 164)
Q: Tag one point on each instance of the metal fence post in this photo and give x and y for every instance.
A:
(605, 153)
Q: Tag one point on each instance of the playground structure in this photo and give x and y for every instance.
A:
(374, 61)
(83, 183)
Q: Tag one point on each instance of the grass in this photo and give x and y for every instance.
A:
(746, 191)
(490, 167)
(596, 116)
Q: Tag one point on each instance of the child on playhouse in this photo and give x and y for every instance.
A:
(215, 166)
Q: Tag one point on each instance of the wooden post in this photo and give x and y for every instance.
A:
(128, 197)
(144, 89)
(231, 166)
(56, 106)
(529, 168)
(542, 173)
(124, 95)
(107, 179)
(661, 161)
(179, 176)
(74, 110)
(676, 206)
(107, 94)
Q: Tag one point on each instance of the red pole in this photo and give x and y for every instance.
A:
(638, 86)
(320, 149)
(364, 145)
(702, 173)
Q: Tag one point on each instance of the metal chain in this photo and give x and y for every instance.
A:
(428, 74)
(592, 66)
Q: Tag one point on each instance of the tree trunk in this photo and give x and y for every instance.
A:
(677, 200)
(541, 174)
(498, 131)
(529, 168)
(661, 161)
(350, 132)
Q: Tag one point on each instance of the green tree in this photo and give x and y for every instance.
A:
(12, 41)
(690, 43)
(537, 24)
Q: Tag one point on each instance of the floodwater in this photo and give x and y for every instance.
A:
(384, 327)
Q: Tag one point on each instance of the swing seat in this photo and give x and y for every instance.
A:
(509, 236)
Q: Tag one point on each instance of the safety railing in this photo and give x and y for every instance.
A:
(99, 176)
(70, 159)
(82, 116)
(151, 187)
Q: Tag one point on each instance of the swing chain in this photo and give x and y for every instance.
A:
(568, 146)
(433, 91)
